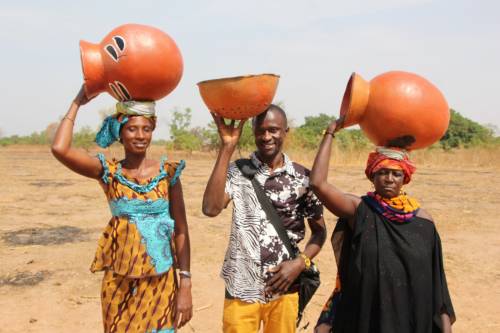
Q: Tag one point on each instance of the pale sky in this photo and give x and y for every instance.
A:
(313, 45)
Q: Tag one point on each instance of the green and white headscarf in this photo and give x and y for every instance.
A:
(110, 129)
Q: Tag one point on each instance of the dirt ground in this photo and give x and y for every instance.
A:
(50, 220)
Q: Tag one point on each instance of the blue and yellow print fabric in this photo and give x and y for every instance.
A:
(137, 241)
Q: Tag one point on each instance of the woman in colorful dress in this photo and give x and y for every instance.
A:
(147, 236)
(390, 266)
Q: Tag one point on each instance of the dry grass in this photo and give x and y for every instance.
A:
(488, 157)
(461, 190)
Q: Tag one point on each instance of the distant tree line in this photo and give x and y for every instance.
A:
(462, 133)
(83, 138)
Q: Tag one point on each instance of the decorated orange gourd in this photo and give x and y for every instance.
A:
(396, 108)
(239, 97)
(133, 62)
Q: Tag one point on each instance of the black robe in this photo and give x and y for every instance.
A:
(392, 276)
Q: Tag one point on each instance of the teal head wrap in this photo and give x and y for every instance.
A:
(111, 126)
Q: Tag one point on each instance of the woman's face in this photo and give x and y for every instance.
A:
(388, 182)
(136, 134)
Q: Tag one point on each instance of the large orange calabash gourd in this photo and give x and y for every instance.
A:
(133, 62)
(239, 97)
(398, 109)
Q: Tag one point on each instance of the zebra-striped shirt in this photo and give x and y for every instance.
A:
(254, 246)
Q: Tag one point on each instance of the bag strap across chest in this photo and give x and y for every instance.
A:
(249, 170)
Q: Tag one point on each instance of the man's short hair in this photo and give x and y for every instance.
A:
(273, 108)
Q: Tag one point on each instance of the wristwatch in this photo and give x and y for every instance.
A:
(307, 260)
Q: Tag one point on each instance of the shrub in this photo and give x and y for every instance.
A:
(463, 132)
(182, 137)
(84, 138)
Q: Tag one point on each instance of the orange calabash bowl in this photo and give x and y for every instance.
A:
(239, 97)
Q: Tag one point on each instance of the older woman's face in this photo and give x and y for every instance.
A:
(137, 133)
(388, 182)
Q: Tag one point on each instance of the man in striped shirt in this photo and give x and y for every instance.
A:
(258, 271)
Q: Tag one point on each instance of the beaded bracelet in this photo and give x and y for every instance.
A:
(66, 117)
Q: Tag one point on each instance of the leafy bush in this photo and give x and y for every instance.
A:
(308, 136)
(303, 137)
(316, 124)
(83, 138)
(182, 138)
(35, 138)
(247, 139)
(353, 139)
(463, 132)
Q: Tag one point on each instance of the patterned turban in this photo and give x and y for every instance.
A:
(110, 129)
(389, 158)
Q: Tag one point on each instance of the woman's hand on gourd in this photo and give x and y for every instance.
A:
(81, 98)
(333, 127)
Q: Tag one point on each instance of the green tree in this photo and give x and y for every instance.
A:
(84, 137)
(316, 124)
(352, 139)
(308, 135)
(182, 137)
(246, 141)
(463, 132)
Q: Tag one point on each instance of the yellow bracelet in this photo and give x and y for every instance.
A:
(307, 260)
(327, 132)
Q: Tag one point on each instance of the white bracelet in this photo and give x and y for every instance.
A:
(185, 274)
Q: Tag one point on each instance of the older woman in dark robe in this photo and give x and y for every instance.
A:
(390, 265)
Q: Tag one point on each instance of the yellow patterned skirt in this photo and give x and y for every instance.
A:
(140, 305)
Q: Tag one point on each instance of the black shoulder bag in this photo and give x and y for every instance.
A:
(308, 280)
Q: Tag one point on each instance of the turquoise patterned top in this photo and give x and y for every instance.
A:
(138, 239)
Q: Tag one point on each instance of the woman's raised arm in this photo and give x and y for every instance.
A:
(77, 160)
(339, 203)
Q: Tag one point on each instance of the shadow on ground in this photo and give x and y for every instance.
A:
(45, 236)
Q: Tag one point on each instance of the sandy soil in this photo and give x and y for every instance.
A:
(51, 218)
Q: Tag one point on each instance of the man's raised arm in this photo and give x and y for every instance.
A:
(215, 199)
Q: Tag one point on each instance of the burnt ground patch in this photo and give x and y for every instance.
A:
(45, 236)
(21, 279)
(50, 183)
